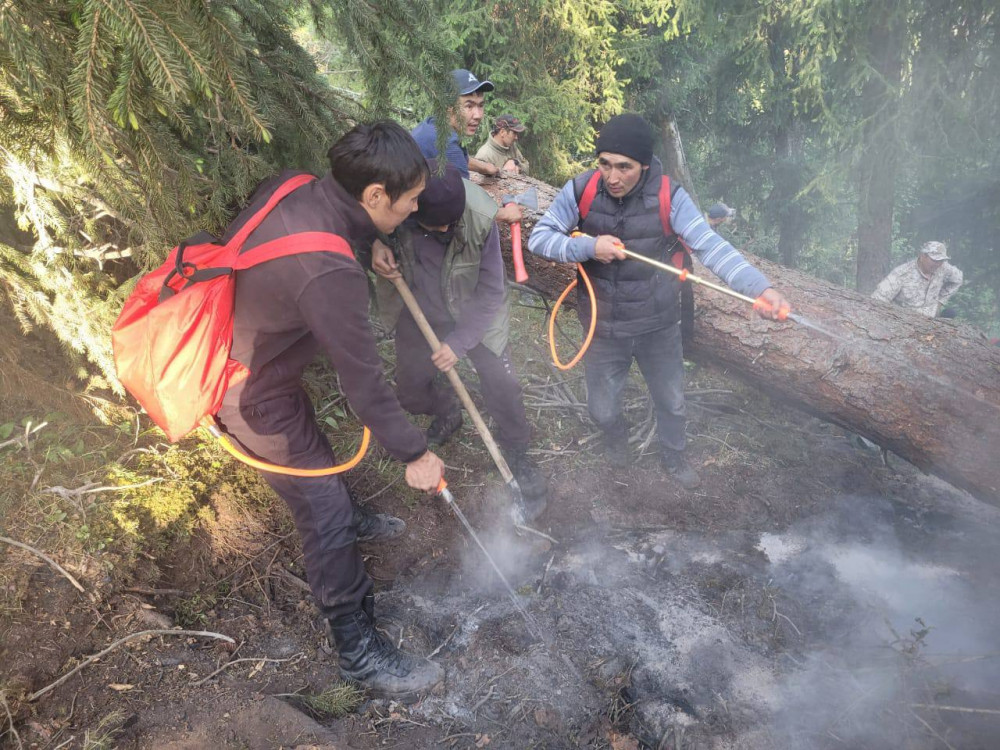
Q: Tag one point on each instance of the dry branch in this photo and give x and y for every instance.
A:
(96, 657)
(961, 709)
(258, 659)
(10, 721)
(46, 558)
(29, 430)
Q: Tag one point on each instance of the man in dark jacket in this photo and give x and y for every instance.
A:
(449, 255)
(638, 310)
(287, 310)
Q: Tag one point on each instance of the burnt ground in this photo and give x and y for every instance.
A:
(807, 596)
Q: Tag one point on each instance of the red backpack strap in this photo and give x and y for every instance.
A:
(293, 244)
(293, 183)
(665, 204)
(681, 258)
(589, 192)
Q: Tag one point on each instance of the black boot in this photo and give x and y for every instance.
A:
(369, 658)
(676, 466)
(376, 527)
(445, 426)
(615, 442)
(533, 484)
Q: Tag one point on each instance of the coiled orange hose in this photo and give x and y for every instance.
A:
(209, 424)
(593, 321)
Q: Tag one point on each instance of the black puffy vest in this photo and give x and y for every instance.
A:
(633, 298)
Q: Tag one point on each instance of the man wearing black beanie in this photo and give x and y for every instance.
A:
(628, 201)
(449, 254)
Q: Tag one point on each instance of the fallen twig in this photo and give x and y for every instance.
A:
(91, 488)
(10, 721)
(481, 701)
(961, 709)
(91, 659)
(292, 578)
(155, 592)
(542, 534)
(47, 559)
(445, 641)
(544, 573)
(931, 729)
(23, 438)
(258, 659)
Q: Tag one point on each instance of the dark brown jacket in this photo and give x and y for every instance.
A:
(289, 309)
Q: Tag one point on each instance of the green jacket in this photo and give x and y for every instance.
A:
(493, 153)
(460, 270)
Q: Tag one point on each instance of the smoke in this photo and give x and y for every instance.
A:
(832, 633)
(895, 622)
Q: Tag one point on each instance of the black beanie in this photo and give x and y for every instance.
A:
(443, 199)
(628, 135)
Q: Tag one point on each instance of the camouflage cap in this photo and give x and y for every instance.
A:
(935, 250)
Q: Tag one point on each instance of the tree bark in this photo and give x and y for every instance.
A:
(674, 162)
(879, 148)
(784, 204)
(928, 390)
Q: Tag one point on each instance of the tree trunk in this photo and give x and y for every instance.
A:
(928, 390)
(674, 163)
(784, 203)
(784, 199)
(879, 149)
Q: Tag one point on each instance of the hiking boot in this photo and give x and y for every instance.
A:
(676, 466)
(615, 442)
(376, 527)
(444, 427)
(532, 482)
(370, 659)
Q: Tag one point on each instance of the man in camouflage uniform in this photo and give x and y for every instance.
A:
(501, 149)
(923, 284)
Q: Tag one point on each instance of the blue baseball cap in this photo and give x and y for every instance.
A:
(467, 83)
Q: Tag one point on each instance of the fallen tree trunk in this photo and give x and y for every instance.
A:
(928, 390)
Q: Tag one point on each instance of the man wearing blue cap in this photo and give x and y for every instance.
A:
(464, 118)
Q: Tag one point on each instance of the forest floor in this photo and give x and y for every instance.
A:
(806, 596)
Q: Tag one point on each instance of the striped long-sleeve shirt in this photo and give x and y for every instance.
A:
(549, 239)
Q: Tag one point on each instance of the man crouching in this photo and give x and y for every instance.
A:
(449, 254)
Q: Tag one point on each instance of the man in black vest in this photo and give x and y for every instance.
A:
(638, 309)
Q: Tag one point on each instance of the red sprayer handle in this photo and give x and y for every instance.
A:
(520, 274)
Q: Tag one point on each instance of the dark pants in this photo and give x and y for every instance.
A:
(420, 391)
(661, 361)
(283, 431)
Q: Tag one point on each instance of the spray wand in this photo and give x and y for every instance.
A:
(445, 494)
(760, 304)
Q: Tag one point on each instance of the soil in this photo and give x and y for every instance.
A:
(773, 607)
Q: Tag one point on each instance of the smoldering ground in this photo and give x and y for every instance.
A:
(848, 629)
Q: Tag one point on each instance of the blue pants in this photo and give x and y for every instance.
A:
(661, 362)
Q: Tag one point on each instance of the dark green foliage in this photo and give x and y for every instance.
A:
(125, 126)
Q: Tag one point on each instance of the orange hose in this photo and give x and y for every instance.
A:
(593, 321)
(209, 424)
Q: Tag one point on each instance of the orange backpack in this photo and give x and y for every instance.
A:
(174, 335)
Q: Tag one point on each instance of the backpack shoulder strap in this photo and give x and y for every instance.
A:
(293, 244)
(586, 198)
(681, 257)
(289, 185)
(666, 193)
